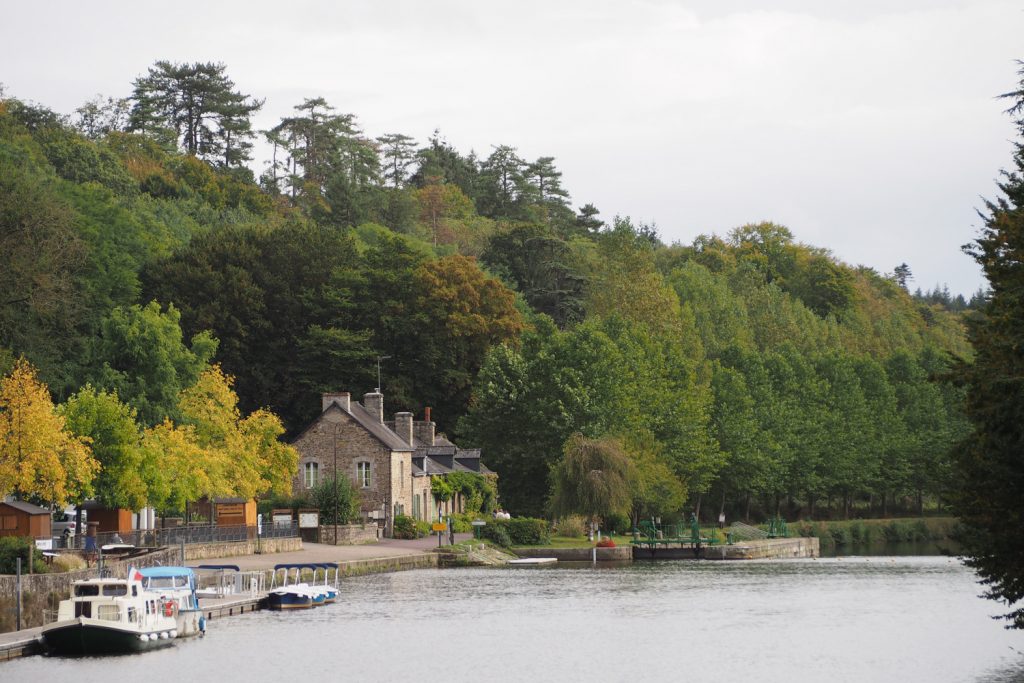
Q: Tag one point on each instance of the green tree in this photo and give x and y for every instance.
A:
(115, 439)
(196, 102)
(398, 153)
(140, 355)
(990, 498)
(593, 478)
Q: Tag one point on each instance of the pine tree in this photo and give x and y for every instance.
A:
(990, 498)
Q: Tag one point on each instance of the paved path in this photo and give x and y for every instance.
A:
(317, 552)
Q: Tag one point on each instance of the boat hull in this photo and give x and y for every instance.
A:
(287, 600)
(86, 637)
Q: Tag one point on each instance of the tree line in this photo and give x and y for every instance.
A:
(748, 370)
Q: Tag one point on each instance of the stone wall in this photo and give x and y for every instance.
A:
(205, 551)
(350, 534)
(616, 554)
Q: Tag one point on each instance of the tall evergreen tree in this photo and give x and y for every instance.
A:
(990, 497)
(198, 103)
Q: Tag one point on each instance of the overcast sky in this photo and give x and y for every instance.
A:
(869, 128)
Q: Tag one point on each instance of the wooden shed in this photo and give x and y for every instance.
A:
(226, 511)
(18, 518)
(109, 519)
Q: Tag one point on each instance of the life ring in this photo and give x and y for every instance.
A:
(168, 609)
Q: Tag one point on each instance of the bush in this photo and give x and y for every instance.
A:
(13, 547)
(67, 562)
(605, 543)
(618, 523)
(497, 533)
(572, 526)
(347, 500)
(518, 531)
(405, 527)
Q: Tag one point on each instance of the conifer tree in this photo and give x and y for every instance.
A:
(990, 496)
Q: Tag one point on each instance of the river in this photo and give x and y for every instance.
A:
(837, 619)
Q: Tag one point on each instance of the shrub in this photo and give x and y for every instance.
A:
(405, 527)
(618, 523)
(423, 528)
(497, 533)
(68, 562)
(13, 547)
(572, 526)
(605, 543)
(518, 531)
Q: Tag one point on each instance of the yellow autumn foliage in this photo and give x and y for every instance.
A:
(38, 456)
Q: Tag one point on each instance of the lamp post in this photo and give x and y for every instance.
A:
(335, 483)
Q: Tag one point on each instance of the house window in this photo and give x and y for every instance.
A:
(363, 474)
(401, 474)
(311, 471)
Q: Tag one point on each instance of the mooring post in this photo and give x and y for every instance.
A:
(17, 598)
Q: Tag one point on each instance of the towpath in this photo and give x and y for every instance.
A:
(316, 552)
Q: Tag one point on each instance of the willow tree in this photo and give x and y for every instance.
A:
(593, 478)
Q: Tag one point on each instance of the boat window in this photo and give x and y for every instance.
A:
(115, 589)
(135, 591)
(86, 590)
(132, 615)
(108, 612)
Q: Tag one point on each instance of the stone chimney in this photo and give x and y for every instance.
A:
(403, 426)
(425, 429)
(374, 403)
(341, 398)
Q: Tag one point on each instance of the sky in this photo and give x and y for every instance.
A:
(869, 128)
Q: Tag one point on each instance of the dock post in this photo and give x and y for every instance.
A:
(17, 598)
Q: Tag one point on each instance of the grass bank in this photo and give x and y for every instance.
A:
(840, 534)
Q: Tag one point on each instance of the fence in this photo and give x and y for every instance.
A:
(182, 534)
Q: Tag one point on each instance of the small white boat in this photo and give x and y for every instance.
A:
(111, 616)
(534, 560)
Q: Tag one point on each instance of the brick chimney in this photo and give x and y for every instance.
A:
(403, 426)
(425, 429)
(340, 397)
(374, 403)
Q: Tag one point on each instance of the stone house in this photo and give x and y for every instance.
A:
(390, 463)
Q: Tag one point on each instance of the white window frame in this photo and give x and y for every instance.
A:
(310, 474)
(363, 474)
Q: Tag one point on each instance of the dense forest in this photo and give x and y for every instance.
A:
(748, 372)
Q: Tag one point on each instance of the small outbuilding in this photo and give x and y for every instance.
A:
(109, 519)
(18, 518)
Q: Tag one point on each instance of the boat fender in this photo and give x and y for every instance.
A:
(174, 633)
(163, 635)
(143, 637)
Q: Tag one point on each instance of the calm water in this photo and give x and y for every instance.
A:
(844, 619)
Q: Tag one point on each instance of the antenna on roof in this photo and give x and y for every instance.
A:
(379, 359)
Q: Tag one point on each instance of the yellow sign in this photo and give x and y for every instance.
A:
(439, 526)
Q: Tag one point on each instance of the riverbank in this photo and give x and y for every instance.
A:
(842, 535)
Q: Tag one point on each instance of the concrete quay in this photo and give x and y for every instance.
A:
(766, 549)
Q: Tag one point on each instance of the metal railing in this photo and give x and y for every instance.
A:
(154, 538)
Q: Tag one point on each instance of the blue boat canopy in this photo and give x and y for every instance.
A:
(166, 572)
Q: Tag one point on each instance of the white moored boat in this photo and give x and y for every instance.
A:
(110, 616)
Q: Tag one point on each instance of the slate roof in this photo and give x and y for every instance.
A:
(369, 422)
